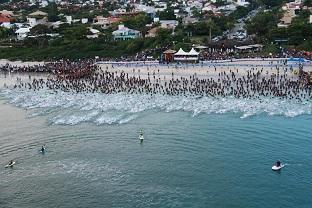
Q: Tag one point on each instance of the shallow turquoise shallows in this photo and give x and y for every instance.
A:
(187, 159)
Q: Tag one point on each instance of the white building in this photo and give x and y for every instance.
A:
(105, 22)
(150, 11)
(168, 24)
(37, 18)
(84, 20)
(124, 33)
(22, 33)
(242, 3)
(69, 19)
(94, 33)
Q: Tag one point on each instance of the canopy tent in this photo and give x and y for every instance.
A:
(193, 52)
(191, 56)
(181, 53)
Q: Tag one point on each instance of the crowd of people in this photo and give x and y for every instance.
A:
(60, 68)
(255, 83)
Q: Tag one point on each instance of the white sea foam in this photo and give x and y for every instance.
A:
(72, 108)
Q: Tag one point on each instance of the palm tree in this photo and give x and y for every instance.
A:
(210, 23)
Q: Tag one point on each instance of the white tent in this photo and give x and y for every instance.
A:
(193, 52)
(181, 53)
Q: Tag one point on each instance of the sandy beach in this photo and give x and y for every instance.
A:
(206, 69)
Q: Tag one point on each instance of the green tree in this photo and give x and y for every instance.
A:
(308, 3)
(40, 29)
(168, 14)
(197, 13)
(262, 23)
(75, 32)
(272, 3)
(137, 22)
(52, 12)
(210, 23)
(5, 33)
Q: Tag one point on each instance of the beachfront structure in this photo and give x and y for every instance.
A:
(124, 33)
(182, 56)
(249, 48)
(168, 55)
(22, 33)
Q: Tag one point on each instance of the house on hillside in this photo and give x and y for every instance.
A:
(152, 32)
(105, 22)
(168, 24)
(124, 33)
(290, 10)
(37, 18)
(189, 20)
(286, 19)
(5, 19)
(93, 33)
(148, 10)
(7, 13)
(243, 3)
(22, 33)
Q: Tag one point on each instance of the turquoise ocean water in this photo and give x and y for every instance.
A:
(196, 153)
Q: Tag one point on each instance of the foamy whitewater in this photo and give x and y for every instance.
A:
(74, 108)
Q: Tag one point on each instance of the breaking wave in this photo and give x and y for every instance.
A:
(73, 108)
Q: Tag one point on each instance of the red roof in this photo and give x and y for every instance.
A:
(4, 18)
(114, 19)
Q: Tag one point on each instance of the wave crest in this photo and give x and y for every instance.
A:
(74, 108)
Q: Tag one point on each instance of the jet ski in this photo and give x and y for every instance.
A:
(277, 166)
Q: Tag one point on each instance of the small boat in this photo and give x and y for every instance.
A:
(10, 165)
(277, 166)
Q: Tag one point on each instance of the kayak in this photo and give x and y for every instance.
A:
(275, 168)
(10, 165)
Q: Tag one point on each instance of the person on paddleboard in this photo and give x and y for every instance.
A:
(278, 163)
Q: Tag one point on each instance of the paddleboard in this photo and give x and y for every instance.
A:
(10, 165)
(141, 137)
(275, 168)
